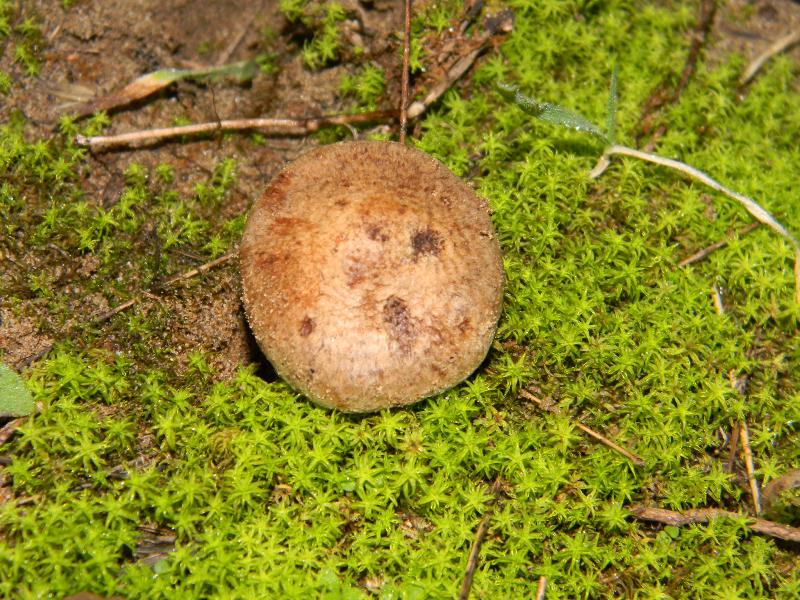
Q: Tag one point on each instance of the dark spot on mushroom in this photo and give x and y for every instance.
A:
(278, 190)
(266, 262)
(306, 326)
(341, 203)
(376, 234)
(357, 267)
(426, 242)
(398, 321)
(283, 225)
(464, 325)
(356, 273)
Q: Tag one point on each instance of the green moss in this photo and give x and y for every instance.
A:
(255, 492)
(366, 87)
(323, 21)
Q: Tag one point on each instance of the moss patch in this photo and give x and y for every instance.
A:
(153, 470)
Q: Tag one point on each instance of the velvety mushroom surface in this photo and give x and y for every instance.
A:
(372, 276)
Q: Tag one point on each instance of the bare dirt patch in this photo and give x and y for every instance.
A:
(93, 48)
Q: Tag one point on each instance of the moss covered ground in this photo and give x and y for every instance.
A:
(142, 480)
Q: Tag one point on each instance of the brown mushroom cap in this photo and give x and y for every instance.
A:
(372, 276)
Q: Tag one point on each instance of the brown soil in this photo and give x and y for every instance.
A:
(95, 47)
(749, 27)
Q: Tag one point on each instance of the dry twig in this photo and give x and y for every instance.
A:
(744, 435)
(501, 23)
(733, 448)
(708, 250)
(704, 515)
(284, 127)
(541, 588)
(480, 534)
(181, 277)
(404, 84)
(739, 385)
(201, 269)
(103, 317)
(780, 45)
(236, 41)
(635, 459)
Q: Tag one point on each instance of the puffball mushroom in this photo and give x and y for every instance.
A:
(372, 276)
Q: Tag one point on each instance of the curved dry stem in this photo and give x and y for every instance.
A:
(755, 209)
(777, 47)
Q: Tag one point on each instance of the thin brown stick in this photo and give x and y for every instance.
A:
(201, 269)
(480, 534)
(744, 435)
(285, 127)
(541, 588)
(708, 250)
(502, 23)
(437, 91)
(739, 385)
(102, 318)
(182, 276)
(635, 459)
(704, 515)
(780, 45)
(405, 75)
(237, 40)
(733, 448)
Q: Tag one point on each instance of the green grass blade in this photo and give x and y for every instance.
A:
(551, 113)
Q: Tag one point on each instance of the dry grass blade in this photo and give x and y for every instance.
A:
(744, 435)
(739, 385)
(182, 276)
(755, 209)
(716, 296)
(103, 317)
(151, 83)
(480, 534)
(780, 45)
(635, 459)
(541, 588)
(201, 269)
(502, 23)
